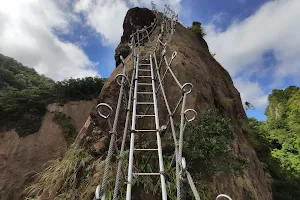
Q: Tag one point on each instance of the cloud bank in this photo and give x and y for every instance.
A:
(274, 28)
(27, 31)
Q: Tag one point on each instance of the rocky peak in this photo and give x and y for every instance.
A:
(136, 18)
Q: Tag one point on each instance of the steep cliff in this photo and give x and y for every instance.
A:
(22, 157)
(136, 18)
(212, 86)
(213, 89)
(34, 129)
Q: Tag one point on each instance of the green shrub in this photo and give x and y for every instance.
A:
(226, 102)
(285, 185)
(206, 146)
(67, 125)
(62, 176)
(24, 95)
(197, 29)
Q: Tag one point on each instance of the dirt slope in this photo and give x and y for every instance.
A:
(21, 157)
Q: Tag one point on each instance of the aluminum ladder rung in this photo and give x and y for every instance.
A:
(144, 130)
(135, 131)
(146, 174)
(148, 84)
(146, 149)
(144, 103)
(145, 115)
(145, 70)
(145, 92)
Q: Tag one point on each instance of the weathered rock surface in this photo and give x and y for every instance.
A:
(135, 18)
(21, 158)
(212, 85)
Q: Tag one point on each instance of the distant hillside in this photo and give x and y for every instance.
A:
(277, 142)
(24, 95)
(284, 127)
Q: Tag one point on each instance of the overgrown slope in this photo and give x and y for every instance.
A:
(39, 119)
(277, 142)
(24, 95)
(283, 127)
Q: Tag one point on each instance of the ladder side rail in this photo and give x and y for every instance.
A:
(132, 135)
(160, 156)
(113, 134)
(172, 124)
(120, 163)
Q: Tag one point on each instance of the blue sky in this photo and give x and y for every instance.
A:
(257, 41)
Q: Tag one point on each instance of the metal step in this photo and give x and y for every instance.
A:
(146, 174)
(145, 149)
(144, 130)
(145, 115)
(144, 92)
(145, 76)
(145, 70)
(148, 84)
(144, 103)
(144, 64)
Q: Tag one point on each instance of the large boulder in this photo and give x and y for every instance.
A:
(135, 18)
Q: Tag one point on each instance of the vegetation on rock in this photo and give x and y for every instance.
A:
(67, 125)
(283, 127)
(60, 180)
(277, 142)
(197, 29)
(24, 95)
(207, 142)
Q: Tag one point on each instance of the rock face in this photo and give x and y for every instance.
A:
(135, 18)
(21, 158)
(212, 86)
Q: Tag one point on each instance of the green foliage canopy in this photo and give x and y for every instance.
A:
(207, 142)
(24, 94)
(284, 127)
(197, 29)
(285, 186)
(277, 142)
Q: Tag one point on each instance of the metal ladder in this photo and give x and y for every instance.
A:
(134, 131)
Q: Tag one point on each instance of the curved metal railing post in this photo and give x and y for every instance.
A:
(113, 133)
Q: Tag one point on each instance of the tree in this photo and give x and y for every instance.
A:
(197, 29)
(24, 94)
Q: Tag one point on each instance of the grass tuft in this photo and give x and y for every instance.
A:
(226, 102)
(61, 175)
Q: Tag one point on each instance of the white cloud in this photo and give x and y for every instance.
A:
(240, 49)
(27, 34)
(83, 5)
(274, 26)
(105, 16)
(218, 18)
(251, 92)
